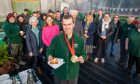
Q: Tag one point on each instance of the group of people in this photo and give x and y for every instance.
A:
(66, 35)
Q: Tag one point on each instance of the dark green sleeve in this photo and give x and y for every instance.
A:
(9, 34)
(129, 34)
(51, 48)
(83, 53)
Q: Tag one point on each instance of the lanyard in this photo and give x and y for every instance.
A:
(71, 48)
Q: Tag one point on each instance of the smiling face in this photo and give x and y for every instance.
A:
(106, 17)
(65, 10)
(68, 26)
(116, 18)
(130, 20)
(33, 21)
(49, 20)
(89, 18)
(21, 19)
(58, 14)
(12, 19)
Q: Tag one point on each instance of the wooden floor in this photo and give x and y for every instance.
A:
(107, 73)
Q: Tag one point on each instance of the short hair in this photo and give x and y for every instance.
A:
(115, 16)
(67, 17)
(26, 10)
(58, 11)
(32, 19)
(9, 16)
(34, 12)
(107, 14)
(100, 10)
(14, 12)
(73, 11)
(65, 7)
(131, 17)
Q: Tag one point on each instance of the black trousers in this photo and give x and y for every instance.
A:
(59, 81)
(33, 62)
(123, 52)
(101, 48)
(132, 60)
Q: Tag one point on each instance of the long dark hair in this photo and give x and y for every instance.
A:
(46, 24)
(17, 19)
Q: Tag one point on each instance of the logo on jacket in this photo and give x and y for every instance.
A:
(75, 45)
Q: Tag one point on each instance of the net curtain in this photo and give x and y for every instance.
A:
(5, 7)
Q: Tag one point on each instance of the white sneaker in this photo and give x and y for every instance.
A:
(102, 60)
(96, 59)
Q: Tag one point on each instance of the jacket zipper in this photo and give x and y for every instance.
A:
(67, 63)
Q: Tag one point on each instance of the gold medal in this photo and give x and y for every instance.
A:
(74, 58)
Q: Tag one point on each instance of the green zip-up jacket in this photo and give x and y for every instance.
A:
(134, 43)
(59, 49)
(125, 30)
(12, 32)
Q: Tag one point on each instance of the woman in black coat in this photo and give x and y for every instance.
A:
(23, 26)
(104, 29)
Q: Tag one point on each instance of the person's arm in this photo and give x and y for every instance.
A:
(119, 30)
(127, 40)
(98, 29)
(81, 29)
(9, 34)
(57, 30)
(45, 37)
(82, 56)
(111, 31)
(28, 40)
(92, 29)
(51, 50)
(40, 41)
(126, 43)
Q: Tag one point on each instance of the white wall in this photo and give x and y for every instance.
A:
(5, 7)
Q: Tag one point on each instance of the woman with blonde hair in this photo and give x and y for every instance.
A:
(89, 30)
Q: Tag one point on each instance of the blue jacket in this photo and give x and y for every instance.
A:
(90, 33)
(31, 41)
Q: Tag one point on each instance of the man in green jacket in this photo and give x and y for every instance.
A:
(126, 28)
(70, 47)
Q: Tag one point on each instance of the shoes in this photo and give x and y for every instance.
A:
(120, 64)
(102, 60)
(128, 71)
(96, 60)
(111, 55)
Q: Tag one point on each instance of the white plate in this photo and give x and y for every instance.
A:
(60, 62)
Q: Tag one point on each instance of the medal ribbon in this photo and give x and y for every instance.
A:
(71, 48)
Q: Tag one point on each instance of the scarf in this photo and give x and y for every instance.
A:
(105, 25)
